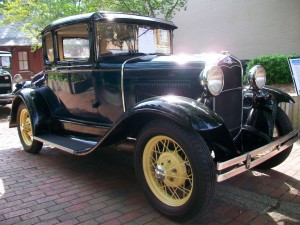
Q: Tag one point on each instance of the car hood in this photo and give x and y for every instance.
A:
(182, 61)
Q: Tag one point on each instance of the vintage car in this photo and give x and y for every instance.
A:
(110, 79)
(6, 88)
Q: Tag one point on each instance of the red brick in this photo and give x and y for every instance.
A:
(109, 216)
(246, 216)
(33, 214)
(260, 220)
(17, 213)
(112, 222)
(48, 198)
(76, 207)
(69, 222)
(235, 223)
(234, 212)
(278, 193)
(129, 217)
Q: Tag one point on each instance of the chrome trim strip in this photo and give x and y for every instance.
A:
(82, 70)
(84, 128)
(122, 81)
(247, 161)
(232, 89)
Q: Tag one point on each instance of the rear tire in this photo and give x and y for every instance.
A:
(175, 169)
(24, 125)
(282, 126)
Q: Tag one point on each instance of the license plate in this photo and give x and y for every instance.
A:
(5, 85)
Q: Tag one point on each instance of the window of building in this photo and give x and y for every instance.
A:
(23, 61)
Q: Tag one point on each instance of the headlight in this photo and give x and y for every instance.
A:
(212, 79)
(257, 77)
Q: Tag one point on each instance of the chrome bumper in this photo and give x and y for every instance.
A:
(6, 98)
(237, 165)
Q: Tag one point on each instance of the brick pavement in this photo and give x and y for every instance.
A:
(54, 187)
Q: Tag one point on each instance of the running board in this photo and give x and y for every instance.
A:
(68, 144)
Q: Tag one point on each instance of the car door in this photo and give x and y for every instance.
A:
(71, 76)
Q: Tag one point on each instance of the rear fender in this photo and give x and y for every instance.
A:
(37, 107)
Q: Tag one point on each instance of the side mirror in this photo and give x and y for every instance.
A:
(18, 78)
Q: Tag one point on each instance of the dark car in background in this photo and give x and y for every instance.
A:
(5, 78)
(110, 79)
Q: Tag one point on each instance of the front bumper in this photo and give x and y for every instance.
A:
(6, 98)
(237, 165)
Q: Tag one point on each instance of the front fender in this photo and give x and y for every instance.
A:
(262, 113)
(37, 107)
(184, 111)
(279, 95)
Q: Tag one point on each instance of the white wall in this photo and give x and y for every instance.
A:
(246, 28)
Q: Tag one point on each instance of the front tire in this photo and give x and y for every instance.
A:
(175, 169)
(282, 126)
(24, 125)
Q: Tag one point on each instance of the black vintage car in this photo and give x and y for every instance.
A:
(110, 80)
(6, 96)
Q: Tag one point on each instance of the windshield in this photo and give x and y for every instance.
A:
(120, 38)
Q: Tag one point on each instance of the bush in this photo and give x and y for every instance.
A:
(276, 66)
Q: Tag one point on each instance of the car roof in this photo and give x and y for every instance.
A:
(4, 53)
(110, 16)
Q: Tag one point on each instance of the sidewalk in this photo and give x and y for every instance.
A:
(54, 187)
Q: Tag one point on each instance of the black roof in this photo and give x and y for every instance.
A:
(111, 16)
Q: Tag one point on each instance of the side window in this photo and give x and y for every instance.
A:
(49, 47)
(73, 43)
(76, 48)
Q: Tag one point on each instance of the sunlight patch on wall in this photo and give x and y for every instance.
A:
(2, 190)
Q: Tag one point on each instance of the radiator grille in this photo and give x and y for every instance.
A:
(5, 84)
(228, 105)
(144, 90)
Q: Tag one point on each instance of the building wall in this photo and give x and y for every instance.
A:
(244, 28)
(35, 61)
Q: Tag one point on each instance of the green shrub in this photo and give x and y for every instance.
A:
(276, 66)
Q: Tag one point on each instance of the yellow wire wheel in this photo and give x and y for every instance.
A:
(25, 127)
(168, 171)
(174, 166)
(25, 130)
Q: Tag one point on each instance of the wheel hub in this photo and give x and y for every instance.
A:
(171, 169)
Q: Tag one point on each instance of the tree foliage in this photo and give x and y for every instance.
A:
(34, 15)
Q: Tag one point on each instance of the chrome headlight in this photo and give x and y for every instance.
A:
(18, 78)
(257, 77)
(212, 79)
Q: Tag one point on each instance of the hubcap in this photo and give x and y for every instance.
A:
(160, 173)
(167, 171)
